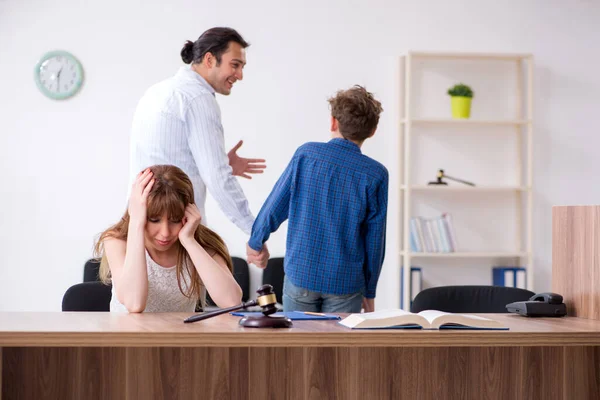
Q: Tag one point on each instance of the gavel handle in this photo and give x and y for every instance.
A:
(200, 317)
(459, 180)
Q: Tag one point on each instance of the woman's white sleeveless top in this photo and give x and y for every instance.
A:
(163, 291)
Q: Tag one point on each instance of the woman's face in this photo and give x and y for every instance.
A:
(161, 233)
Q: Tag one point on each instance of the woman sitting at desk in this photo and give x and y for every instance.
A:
(159, 257)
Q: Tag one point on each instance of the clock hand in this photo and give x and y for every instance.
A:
(58, 79)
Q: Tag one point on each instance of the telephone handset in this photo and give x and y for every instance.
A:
(550, 298)
(540, 305)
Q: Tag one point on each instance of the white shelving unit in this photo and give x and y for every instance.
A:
(521, 122)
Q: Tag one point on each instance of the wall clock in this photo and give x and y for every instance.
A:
(58, 75)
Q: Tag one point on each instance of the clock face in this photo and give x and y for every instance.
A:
(58, 75)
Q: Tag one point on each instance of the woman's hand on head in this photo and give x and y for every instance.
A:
(138, 200)
(191, 221)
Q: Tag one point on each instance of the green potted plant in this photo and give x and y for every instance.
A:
(461, 96)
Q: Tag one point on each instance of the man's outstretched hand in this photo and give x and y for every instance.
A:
(244, 166)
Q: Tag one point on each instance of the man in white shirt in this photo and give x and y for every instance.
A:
(178, 122)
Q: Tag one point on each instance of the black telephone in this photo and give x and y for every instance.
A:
(540, 305)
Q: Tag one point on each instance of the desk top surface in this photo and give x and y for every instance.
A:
(81, 329)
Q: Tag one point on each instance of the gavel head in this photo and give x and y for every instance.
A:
(266, 299)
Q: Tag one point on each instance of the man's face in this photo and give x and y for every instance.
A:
(230, 70)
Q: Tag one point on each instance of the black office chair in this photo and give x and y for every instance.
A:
(468, 299)
(91, 270)
(273, 275)
(87, 296)
(241, 274)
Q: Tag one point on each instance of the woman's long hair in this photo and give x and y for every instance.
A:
(171, 193)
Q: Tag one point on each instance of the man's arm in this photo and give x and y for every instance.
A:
(275, 210)
(206, 141)
(375, 227)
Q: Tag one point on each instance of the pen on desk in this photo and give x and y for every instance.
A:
(314, 313)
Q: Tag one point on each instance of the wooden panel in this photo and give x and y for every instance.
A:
(47, 368)
(239, 376)
(168, 330)
(302, 373)
(575, 258)
(469, 56)
(492, 372)
(63, 373)
(542, 372)
(150, 373)
(434, 373)
(276, 373)
(327, 371)
(582, 373)
(173, 373)
(96, 367)
(458, 373)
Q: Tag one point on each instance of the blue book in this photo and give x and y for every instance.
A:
(509, 276)
(293, 315)
(416, 284)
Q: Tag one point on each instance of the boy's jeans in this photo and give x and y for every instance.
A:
(299, 299)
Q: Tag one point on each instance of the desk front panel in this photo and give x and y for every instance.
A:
(301, 373)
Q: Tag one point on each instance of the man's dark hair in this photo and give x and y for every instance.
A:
(214, 41)
(356, 111)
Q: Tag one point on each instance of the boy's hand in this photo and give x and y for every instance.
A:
(368, 304)
(258, 258)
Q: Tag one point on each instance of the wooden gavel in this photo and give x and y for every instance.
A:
(266, 300)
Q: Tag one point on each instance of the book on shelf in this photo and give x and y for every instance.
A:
(416, 284)
(432, 235)
(509, 276)
(428, 319)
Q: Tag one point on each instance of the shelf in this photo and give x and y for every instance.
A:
(469, 56)
(415, 122)
(466, 188)
(466, 122)
(497, 254)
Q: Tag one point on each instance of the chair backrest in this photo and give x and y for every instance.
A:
(469, 299)
(273, 275)
(87, 296)
(91, 270)
(241, 275)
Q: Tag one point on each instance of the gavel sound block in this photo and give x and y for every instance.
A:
(266, 300)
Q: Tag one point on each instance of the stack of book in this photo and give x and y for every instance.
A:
(432, 235)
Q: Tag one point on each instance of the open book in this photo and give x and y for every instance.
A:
(429, 319)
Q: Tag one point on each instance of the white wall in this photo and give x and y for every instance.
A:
(64, 164)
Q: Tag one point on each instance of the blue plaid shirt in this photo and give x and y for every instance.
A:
(336, 201)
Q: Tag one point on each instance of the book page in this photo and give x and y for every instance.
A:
(384, 319)
(431, 315)
(439, 318)
(384, 314)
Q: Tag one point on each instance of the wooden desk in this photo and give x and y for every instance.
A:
(156, 356)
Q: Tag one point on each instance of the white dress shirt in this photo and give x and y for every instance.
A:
(178, 122)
